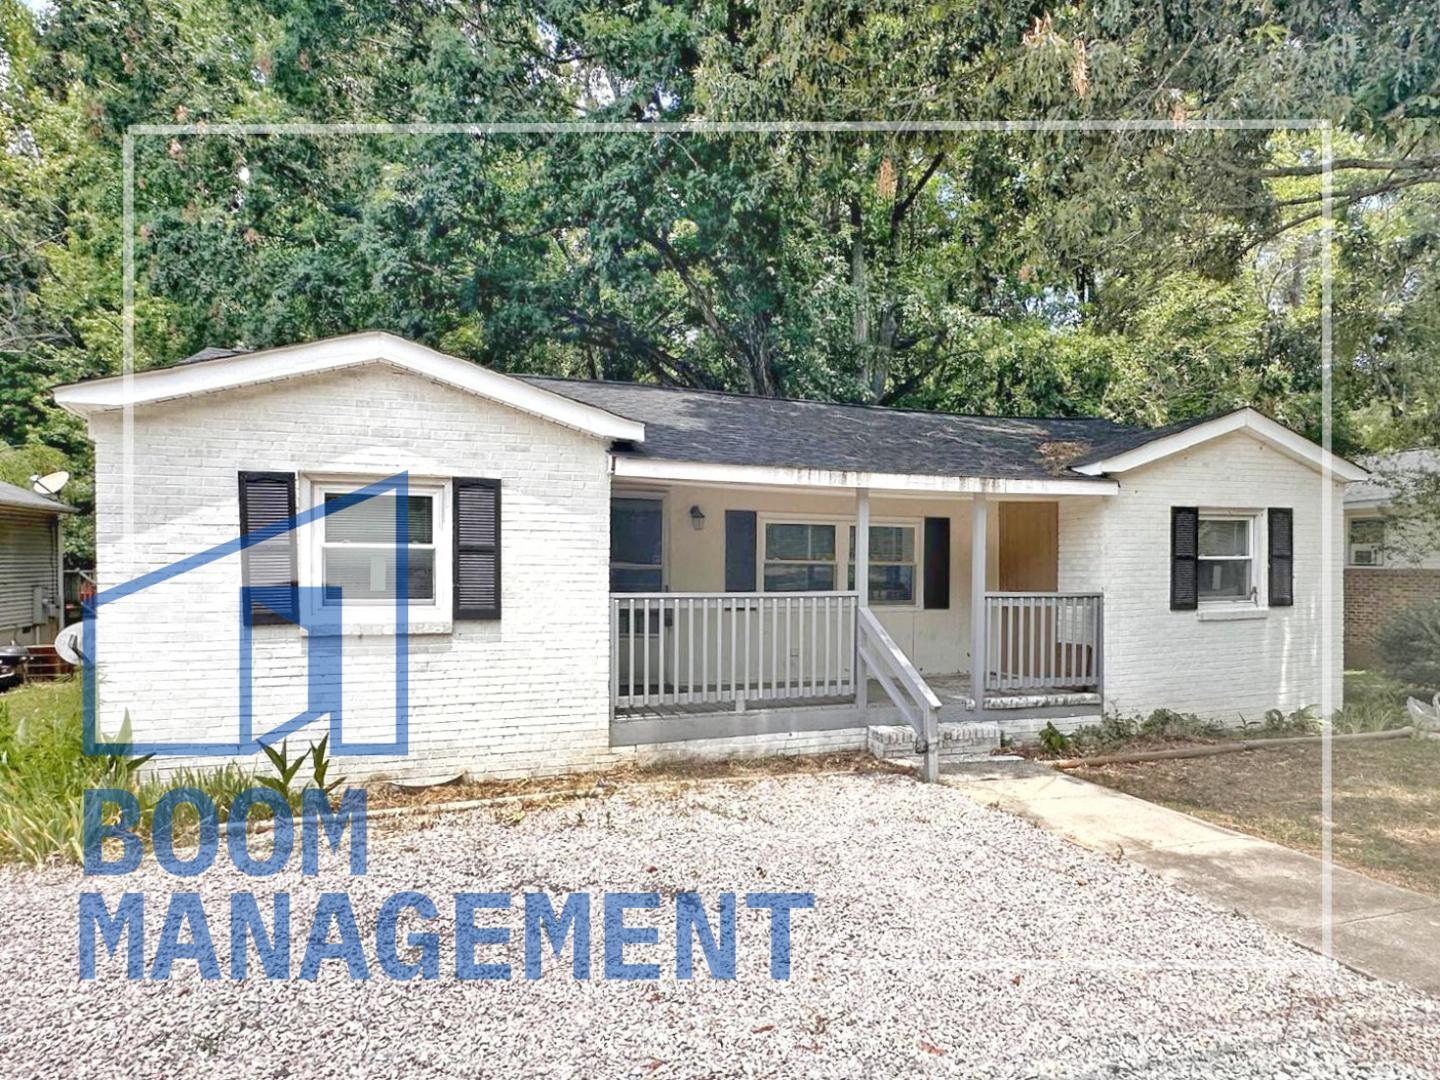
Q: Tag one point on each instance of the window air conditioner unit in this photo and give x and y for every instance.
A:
(1365, 554)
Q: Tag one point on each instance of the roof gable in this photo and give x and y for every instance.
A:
(224, 372)
(1164, 442)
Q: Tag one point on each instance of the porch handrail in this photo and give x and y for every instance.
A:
(673, 648)
(906, 687)
(1012, 593)
(820, 594)
(1044, 640)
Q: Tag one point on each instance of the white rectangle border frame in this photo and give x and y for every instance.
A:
(1324, 128)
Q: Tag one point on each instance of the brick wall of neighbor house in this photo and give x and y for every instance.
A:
(525, 694)
(1158, 658)
(1372, 595)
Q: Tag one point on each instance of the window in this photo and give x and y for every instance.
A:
(637, 533)
(799, 557)
(1226, 564)
(357, 547)
(1367, 542)
(892, 564)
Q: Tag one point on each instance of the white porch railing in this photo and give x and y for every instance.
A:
(887, 664)
(694, 648)
(1044, 640)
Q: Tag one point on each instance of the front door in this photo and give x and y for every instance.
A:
(1029, 546)
(1029, 560)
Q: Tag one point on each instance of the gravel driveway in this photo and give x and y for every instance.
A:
(947, 938)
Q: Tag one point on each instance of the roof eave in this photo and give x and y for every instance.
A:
(797, 476)
(36, 508)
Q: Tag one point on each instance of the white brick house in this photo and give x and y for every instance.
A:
(642, 570)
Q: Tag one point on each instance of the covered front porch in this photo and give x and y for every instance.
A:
(735, 610)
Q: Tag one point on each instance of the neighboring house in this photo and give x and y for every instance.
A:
(32, 572)
(1381, 577)
(640, 569)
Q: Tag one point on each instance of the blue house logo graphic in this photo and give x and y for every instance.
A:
(318, 613)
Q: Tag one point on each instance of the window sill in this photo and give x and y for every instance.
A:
(387, 629)
(1232, 614)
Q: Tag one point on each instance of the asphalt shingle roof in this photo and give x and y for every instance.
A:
(713, 427)
(1391, 470)
(210, 352)
(734, 429)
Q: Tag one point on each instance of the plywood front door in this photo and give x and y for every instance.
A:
(1029, 546)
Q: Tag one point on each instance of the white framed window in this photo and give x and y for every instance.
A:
(1227, 568)
(808, 554)
(351, 553)
(1366, 542)
(799, 556)
(637, 543)
(893, 564)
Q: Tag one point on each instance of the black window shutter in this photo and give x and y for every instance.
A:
(1184, 558)
(267, 567)
(477, 548)
(937, 562)
(1282, 557)
(740, 551)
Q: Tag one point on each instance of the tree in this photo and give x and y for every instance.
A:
(1147, 276)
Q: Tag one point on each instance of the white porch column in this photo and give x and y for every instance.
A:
(862, 583)
(862, 544)
(979, 533)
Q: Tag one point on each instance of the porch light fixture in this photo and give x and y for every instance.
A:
(697, 518)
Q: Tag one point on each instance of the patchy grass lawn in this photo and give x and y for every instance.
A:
(1386, 801)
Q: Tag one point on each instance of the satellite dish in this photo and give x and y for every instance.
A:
(67, 644)
(50, 483)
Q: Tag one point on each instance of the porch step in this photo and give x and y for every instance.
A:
(963, 741)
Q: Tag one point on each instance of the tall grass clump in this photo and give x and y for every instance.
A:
(1373, 702)
(44, 774)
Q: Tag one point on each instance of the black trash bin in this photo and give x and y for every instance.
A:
(13, 660)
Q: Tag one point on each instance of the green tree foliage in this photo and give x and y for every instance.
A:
(1149, 276)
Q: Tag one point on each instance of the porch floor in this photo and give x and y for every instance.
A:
(953, 690)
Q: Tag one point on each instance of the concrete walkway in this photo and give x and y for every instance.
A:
(1381, 930)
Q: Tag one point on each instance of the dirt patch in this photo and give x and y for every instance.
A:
(1386, 801)
(384, 795)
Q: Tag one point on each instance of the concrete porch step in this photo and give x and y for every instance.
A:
(959, 741)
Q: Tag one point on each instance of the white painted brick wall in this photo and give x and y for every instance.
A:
(1158, 658)
(527, 694)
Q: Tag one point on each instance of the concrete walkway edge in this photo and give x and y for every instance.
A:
(1380, 930)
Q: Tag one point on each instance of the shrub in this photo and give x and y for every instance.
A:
(1053, 740)
(1168, 724)
(1300, 722)
(1409, 645)
(1117, 730)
